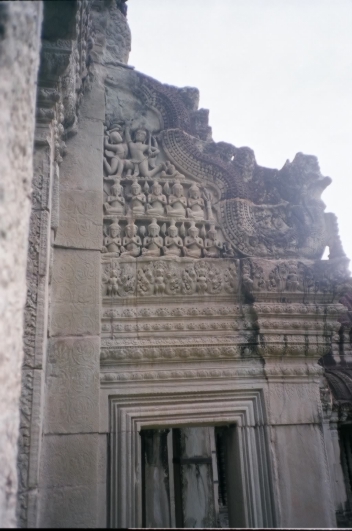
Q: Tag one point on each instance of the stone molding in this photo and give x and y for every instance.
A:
(245, 408)
(279, 372)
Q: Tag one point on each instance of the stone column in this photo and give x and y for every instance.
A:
(20, 24)
(299, 451)
(69, 468)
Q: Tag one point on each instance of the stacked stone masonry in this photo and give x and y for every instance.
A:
(179, 315)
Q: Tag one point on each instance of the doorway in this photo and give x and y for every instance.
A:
(146, 449)
(189, 476)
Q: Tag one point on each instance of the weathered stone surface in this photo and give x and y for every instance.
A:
(19, 58)
(68, 507)
(113, 35)
(41, 196)
(72, 402)
(69, 460)
(102, 480)
(302, 477)
(81, 168)
(80, 220)
(292, 402)
(75, 293)
(93, 104)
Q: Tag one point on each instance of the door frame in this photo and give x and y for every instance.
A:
(241, 407)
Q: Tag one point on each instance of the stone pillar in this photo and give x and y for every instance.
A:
(69, 468)
(20, 24)
(299, 452)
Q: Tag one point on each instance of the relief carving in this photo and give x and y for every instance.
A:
(143, 150)
(173, 242)
(112, 242)
(153, 243)
(193, 245)
(156, 200)
(295, 276)
(164, 277)
(115, 202)
(159, 239)
(116, 153)
(132, 243)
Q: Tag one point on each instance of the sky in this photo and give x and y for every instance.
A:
(276, 76)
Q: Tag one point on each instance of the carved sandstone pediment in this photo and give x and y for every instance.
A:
(255, 211)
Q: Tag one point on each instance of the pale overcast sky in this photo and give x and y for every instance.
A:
(275, 74)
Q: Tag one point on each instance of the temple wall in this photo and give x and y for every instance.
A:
(19, 58)
(173, 286)
(138, 335)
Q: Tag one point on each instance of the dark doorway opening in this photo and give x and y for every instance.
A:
(190, 477)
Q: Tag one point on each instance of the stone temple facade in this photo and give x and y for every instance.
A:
(186, 351)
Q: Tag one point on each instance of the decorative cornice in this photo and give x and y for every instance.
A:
(274, 372)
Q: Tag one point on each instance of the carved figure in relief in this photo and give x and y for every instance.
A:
(153, 243)
(156, 200)
(189, 280)
(127, 281)
(115, 202)
(227, 250)
(141, 153)
(214, 280)
(292, 281)
(231, 279)
(131, 242)
(278, 277)
(112, 242)
(112, 287)
(202, 281)
(212, 246)
(172, 282)
(246, 277)
(272, 282)
(173, 242)
(196, 203)
(145, 281)
(137, 198)
(208, 203)
(193, 245)
(170, 171)
(117, 151)
(258, 276)
(159, 284)
(177, 201)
